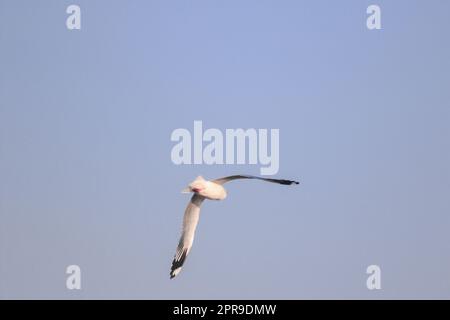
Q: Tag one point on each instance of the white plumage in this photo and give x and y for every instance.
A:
(202, 189)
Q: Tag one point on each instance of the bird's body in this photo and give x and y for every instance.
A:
(203, 189)
(207, 189)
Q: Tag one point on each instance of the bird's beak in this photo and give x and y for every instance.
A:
(186, 190)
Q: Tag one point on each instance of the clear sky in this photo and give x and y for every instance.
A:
(86, 176)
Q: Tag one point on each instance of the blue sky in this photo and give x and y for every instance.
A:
(86, 175)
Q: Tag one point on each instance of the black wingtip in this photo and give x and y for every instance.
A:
(288, 182)
(177, 264)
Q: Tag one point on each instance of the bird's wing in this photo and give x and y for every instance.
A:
(190, 220)
(231, 178)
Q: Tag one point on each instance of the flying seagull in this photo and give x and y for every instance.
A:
(203, 189)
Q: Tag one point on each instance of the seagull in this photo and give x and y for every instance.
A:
(203, 189)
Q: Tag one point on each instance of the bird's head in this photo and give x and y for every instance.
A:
(195, 186)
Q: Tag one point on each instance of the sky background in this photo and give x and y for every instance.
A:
(86, 176)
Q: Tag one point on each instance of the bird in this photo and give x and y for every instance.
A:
(203, 189)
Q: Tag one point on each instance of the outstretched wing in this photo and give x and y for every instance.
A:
(190, 220)
(231, 178)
